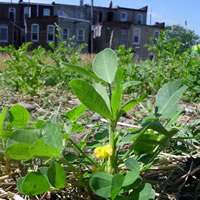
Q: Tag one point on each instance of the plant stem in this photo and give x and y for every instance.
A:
(83, 153)
(112, 159)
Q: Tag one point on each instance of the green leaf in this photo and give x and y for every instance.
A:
(41, 150)
(34, 183)
(81, 71)
(117, 182)
(131, 164)
(117, 92)
(71, 157)
(19, 182)
(77, 128)
(101, 184)
(129, 105)
(143, 192)
(2, 118)
(38, 123)
(19, 116)
(130, 83)
(146, 144)
(99, 136)
(131, 177)
(90, 97)
(56, 175)
(167, 99)
(52, 135)
(157, 126)
(19, 143)
(105, 65)
(103, 93)
(76, 112)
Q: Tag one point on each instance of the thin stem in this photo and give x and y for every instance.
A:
(83, 153)
(77, 174)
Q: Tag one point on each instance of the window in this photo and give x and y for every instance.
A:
(123, 36)
(123, 17)
(139, 19)
(50, 33)
(27, 12)
(12, 14)
(100, 17)
(46, 12)
(136, 36)
(3, 33)
(65, 33)
(35, 32)
(79, 15)
(110, 16)
(60, 13)
(80, 35)
(156, 34)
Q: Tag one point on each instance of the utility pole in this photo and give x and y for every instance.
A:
(92, 31)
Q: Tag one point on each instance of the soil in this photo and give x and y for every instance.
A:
(173, 177)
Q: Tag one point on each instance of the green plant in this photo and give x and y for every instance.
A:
(108, 105)
(112, 171)
(25, 69)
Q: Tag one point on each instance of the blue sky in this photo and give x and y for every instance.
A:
(168, 11)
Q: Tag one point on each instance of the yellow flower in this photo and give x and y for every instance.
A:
(109, 149)
(94, 169)
(103, 152)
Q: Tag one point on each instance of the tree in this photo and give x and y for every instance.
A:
(184, 35)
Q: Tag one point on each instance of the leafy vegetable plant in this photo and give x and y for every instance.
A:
(112, 171)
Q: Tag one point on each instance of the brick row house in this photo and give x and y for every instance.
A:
(23, 22)
(112, 26)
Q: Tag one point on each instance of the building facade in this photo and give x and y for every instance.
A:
(111, 26)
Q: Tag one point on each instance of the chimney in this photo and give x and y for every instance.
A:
(81, 2)
(110, 4)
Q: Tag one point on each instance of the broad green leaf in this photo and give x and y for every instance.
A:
(38, 123)
(129, 105)
(167, 99)
(117, 92)
(41, 150)
(19, 116)
(34, 183)
(19, 151)
(101, 135)
(71, 157)
(52, 135)
(19, 143)
(174, 118)
(131, 177)
(56, 175)
(105, 65)
(81, 71)
(90, 97)
(103, 93)
(101, 184)
(130, 83)
(2, 118)
(146, 144)
(19, 182)
(77, 128)
(143, 192)
(76, 112)
(117, 182)
(43, 171)
(131, 164)
(157, 126)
